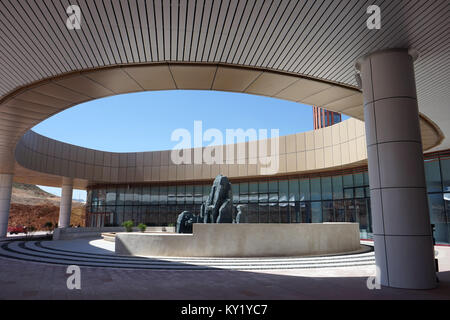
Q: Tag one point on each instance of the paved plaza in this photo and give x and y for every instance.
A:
(301, 279)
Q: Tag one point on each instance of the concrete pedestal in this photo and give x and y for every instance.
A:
(401, 224)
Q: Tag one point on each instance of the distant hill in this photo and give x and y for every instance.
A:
(32, 206)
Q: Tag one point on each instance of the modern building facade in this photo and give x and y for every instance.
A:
(319, 53)
(323, 118)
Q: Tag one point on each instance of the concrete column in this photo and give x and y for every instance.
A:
(401, 225)
(66, 203)
(6, 181)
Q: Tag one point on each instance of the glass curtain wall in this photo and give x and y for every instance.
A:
(338, 198)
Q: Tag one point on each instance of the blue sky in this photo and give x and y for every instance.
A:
(145, 121)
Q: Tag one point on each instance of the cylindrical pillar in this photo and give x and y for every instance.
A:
(6, 181)
(401, 225)
(66, 203)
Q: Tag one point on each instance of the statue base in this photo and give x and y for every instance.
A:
(244, 240)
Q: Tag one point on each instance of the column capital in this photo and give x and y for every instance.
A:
(360, 61)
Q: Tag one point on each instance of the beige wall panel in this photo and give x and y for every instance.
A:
(215, 170)
(86, 86)
(115, 80)
(39, 98)
(131, 174)
(206, 171)
(224, 169)
(269, 84)
(309, 140)
(180, 172)
(328, 157)
(319, 155)
(115, 160)
(337, 157)
(300, 140)
(336, 134)
(163, 173)
(351, 128)
(328, 95)
(291, 144)
(139, 159)
(343, 131)
(197, 171)
(291, 162)
(301, 161)
(56, 91)
(106, 176)
(148, 173)
(361, 148)
(360, 128)
(318, 139)
(327, 137)
(184, 79)
(252, 169)
(353, 155)
(165, 158)
(148, 159)
(301, 89)
(157, 77)
(233, 170)
(355, 100)
(122, 174)
(189, 172)
(139, 173)
(159, 173)
(345, 156)
(114, 174)
(242, 170)
(172, 173)
(234, 79)
(310, 160)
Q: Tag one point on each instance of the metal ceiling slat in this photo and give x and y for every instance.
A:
(235, 21)
(142, 17)
(166, 28)
(152, 33)
(119, 32)
(174, 29)
(284, 24)
(264, 38)
(159, 27)
(311, 30)
(85, 37)
(368, 42)
(267, 8)
(182, 32)
(217, 16)
(196, 26)
(126, 30)
(75, 40)
(203, 30)
(91, 17)
(249, 27)
(336, 20)
(23, 37)
(133, 28)
(284, 49)
(242, 26)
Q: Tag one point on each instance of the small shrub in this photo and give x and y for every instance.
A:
(128, 225)
(142, 227)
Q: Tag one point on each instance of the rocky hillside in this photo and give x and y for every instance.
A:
(32, 206)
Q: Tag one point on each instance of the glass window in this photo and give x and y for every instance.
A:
(315, 189)
(348, 180)
(445, 168)
(294, 191)
(359, 192)
(263, 197)
(438, 217)
(274, 213)
(284, 212)
(172, 195)
(163, 195)
(111, 197)
(189, 194)
(206, 191)
(305, 194)
(243, 188)
(283, 191)
(316, 212)
(366, 178)
(263, 187)
(337, 187)
(273, 186)
(305, 212)
(128, 197)
(328, 212)
(253, 187)
(339, 211)
(252, 213)
(326, 188)
(263, 213)
(433, 176)
(358, 179)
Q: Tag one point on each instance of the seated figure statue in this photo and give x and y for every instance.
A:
(241, 216)
(218, 208)
(185, 221)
